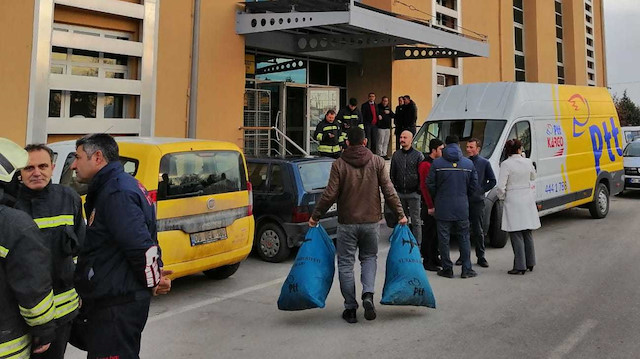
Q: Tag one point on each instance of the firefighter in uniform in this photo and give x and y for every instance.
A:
(57, 211)
(119, 265)
(329, 133)
(26, 297)
(350, 116)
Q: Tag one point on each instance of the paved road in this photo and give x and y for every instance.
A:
(581, 301)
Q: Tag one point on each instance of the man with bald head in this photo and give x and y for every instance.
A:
(406, 180)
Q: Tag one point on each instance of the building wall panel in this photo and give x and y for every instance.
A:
(16, 37)
(174, 68)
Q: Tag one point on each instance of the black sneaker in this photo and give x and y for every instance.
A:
(447, 273)
(482, 262)
(468, 274)
(369, 308)
(459, 262)
(349, 315)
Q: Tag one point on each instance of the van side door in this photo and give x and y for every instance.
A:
(522, 130)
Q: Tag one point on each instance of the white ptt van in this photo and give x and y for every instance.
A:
(571, 133)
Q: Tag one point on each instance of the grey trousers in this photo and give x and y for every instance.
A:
(411, 203)
(383, 141)
(365, 238)
(523, 250)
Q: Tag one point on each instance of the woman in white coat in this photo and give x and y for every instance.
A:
(520, 214)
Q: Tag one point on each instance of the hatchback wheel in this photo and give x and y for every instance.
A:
(272, 243)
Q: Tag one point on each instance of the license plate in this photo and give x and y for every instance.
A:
(211, 236)
(635, 180)
(333, 208)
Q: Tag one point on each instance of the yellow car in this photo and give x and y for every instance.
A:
(204, 203)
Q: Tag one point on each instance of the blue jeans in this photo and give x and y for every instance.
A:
(365, 238)
(461, 230)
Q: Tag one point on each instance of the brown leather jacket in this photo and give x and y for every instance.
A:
(355, 183)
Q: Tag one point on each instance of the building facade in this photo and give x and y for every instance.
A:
(218, 69)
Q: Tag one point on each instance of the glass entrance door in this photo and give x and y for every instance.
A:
(319, 101)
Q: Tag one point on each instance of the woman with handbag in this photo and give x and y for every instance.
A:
(520, 215)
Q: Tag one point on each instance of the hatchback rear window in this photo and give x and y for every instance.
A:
(197, 173)
(315, 175)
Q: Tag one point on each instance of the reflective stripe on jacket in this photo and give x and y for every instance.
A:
(57, 211)
(27, 309)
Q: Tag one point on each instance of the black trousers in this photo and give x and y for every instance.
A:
(58, 345)
(116, 331)
(429, 247)
(371, 132)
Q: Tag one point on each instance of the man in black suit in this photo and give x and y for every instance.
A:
(369, 112)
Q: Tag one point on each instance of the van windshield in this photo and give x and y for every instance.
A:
(487, 131)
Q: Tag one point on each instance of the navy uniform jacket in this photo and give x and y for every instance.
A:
(120, 256)
(452, 181)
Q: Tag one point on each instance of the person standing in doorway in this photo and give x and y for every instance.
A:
(385, 115)
(429, 247)
(486, 181)
(57, 211)
(355, 182)
(406, 181)
(398, 122)
(329, 135)
(370, 114)
(520, 215)
(411, 114)
(451, 181)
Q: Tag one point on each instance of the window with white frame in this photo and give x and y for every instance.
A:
(559, 42)
(75, 62)
(518, 32)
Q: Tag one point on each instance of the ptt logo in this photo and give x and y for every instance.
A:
(600, 134)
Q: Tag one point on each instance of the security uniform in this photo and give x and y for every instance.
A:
(26, 298)
(118, 264)
(57, 211)
(329, 146)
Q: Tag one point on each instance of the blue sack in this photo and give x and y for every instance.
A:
(406, 282)
(311, 276)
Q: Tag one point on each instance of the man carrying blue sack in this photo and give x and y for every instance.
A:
(355, 182)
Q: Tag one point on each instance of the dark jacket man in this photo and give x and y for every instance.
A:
(404, 170)
(119, 265)
(486, 178)
(57, 211)
(120, 256)
(385, 122)
(451, 181)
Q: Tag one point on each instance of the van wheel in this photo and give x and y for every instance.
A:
(271, 243)
(497, 237)
(223, 272)
(600, 205)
